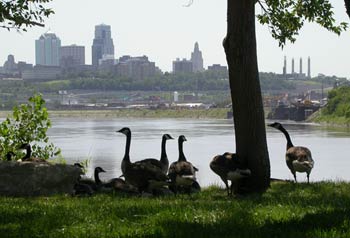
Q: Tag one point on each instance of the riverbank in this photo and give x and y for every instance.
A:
(215, 113)
(286, 210)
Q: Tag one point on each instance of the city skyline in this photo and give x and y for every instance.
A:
(165, 30)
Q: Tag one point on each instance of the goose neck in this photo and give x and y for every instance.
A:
(97, 178)
(289, 141)
(181, 152)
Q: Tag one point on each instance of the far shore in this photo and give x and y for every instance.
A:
(214, 113)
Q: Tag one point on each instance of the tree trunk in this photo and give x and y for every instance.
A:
(347, 6)
(247, 106)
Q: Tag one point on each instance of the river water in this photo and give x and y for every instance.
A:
(97, 141)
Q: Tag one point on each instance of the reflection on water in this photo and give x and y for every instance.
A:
(97, 140)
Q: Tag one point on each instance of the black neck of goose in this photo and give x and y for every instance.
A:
(127, 147)
(289, 141)
(97, 178)
(181, 152)
(28, 152)
(163, 155)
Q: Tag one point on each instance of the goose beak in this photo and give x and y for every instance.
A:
(269, 125)
(103, 171)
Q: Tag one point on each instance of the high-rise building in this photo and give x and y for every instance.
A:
(72, 56)
(197, 59)
(47, 49)
(102, 44)
(182, 66)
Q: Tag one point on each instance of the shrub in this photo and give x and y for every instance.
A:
(28, 124)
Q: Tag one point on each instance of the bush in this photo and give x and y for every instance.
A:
(28, 124)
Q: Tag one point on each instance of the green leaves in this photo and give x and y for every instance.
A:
(286, 17)
(28, 124)
(20, 14)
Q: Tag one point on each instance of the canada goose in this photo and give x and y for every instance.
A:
(28, 154)
(163, 163)
(140, 174)
(298, 158)
(9, 155)
(87, 186)
(182, 173)
(228, 167)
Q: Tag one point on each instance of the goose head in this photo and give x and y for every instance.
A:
(125, 130)
(99, 170)
(24, 146)
(167, 137)
(276, 125)
(182, 138)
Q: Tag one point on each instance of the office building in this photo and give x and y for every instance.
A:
(197, 59)
(72, 56)
(47, 49)
(102, 43)
(182, 66)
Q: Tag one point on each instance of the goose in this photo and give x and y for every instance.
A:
(28, 154)
(163, 163)
(182, 173)
(9, 155)
(142, 175)
(298, 158)
(96, 183)
(228, 167)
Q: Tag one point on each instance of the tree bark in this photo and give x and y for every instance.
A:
(347, 6)
(247, 106)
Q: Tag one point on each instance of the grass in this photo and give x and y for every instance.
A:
(286, 210)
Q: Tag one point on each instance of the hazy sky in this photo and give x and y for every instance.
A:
(165, 30)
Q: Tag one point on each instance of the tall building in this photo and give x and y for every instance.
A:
(47, 49)
(309, 67)
(197, 59)
(182, 66)
(102, 44)
(72, 56)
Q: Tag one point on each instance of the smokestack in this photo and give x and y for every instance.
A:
(309, 67)
(285, 65)
(293, 66)
(301, 66)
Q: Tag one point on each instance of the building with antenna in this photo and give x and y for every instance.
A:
(197, 59)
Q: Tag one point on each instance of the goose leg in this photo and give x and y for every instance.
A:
(308, 178)
(226, 184)
(295, 177)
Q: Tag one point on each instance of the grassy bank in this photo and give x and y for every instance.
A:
(218, 113)
(286, 210)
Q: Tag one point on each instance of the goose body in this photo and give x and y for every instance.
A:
(182, 173)
(28, 155)
(140, 174)
(298, 158)
(163, 163)
(228, 167)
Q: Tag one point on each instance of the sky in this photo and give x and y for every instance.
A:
(165, 30)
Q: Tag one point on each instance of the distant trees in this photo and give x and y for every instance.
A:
(21, 14)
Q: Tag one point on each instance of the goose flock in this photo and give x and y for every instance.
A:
(155, 176)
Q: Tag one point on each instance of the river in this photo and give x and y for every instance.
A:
(97, 141)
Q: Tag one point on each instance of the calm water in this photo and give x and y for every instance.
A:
(96, 139)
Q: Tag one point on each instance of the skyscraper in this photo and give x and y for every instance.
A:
(102, 44)
(197, 59)
(47, 49)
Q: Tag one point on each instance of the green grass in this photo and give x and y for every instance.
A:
(286, 210)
